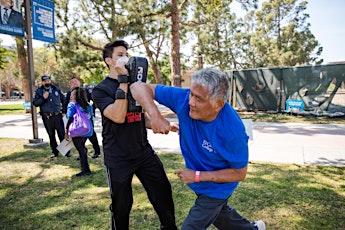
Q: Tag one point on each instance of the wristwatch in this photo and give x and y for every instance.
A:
(120, 94)
(122, 78)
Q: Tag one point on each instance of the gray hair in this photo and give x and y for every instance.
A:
(215, 81)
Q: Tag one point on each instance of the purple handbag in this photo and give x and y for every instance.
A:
(80, 124)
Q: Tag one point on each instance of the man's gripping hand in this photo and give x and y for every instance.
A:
(120, 65)
(159, 124)
(174, 126)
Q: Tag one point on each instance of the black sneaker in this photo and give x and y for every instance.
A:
(68, 154)
(53, 156)
(83, 173)
(95, 155)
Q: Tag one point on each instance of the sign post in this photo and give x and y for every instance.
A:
(35, 142)
(43, 29)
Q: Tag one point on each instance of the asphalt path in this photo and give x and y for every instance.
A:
(303, 144)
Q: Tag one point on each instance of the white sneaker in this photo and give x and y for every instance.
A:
(260, 225)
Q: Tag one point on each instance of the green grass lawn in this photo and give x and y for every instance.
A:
(37, 192)
(8, 109)
(291, 118)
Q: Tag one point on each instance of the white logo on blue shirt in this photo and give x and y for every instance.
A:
(207, 145)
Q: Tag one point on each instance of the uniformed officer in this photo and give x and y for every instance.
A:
(50, 100)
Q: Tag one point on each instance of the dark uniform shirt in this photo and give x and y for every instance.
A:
(121, 142)
(53, 103)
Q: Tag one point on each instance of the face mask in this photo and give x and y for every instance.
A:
(47, 85)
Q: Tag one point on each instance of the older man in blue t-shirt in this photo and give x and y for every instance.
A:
(213, 142)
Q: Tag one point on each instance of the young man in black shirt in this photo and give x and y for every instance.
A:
(126, 148)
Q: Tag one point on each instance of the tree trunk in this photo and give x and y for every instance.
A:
(175, 45)
(153, 64)
(156, 72)
(24, 67)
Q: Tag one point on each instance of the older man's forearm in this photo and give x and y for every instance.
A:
(144, 94)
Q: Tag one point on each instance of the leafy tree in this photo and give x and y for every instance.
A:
(165, 71)
(3, 60)
(9, 75)
(282, 35)
(78, 53)
(44, 61)
(217, 31)
(77, 60)
(109, 20)
(149, 23)
(23, 66)
(264, 38)
(148, 28)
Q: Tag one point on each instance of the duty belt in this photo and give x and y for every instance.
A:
(48, 115)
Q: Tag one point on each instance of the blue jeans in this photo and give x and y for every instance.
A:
(208, 210)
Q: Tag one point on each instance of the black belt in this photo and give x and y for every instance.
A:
(51, 114)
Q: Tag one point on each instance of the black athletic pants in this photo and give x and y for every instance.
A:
(79, 143)
(51, 124)
(151, 174)
(94, 141)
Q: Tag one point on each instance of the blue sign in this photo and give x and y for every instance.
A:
(11, 19)
(294, 105)
(27, 105)
(43, 20)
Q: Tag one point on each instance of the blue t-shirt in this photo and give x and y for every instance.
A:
(208, 146)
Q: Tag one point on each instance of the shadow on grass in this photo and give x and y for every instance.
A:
(37, 192)
(42, 193)
(293, 196)
(285, 118)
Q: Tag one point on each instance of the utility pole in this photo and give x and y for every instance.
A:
(35, 142)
